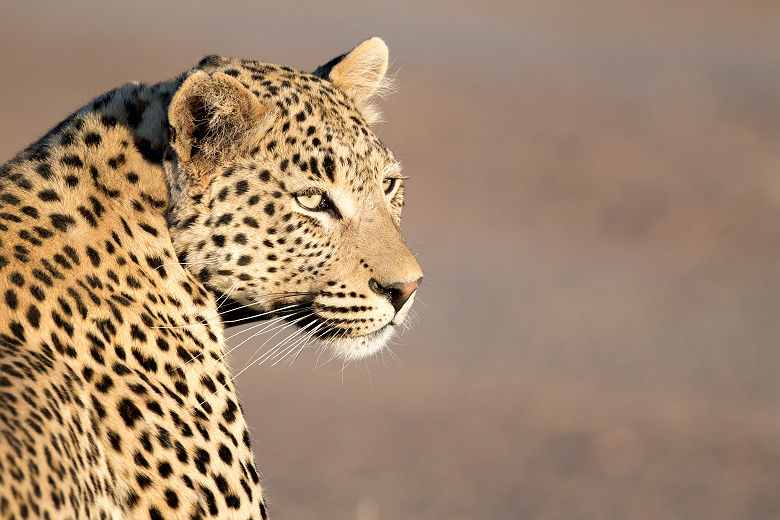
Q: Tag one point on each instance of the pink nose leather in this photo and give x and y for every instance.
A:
(398, 293)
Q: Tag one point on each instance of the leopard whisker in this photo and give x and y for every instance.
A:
(267, 327)
(281, 347)
(233, 377)
(284, 326)
(289, 350)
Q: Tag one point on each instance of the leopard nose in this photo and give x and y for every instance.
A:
(398, 293)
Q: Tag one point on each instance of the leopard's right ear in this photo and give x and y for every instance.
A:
(212, 117)
(361, 74)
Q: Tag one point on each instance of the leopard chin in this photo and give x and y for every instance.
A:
(359, 347)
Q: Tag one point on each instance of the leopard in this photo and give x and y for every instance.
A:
(140, 228)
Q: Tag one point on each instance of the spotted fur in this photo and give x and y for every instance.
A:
(121, 228)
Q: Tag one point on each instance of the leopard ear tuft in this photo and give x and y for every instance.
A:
(361, 74)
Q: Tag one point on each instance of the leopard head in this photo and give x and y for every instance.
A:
(284, 201)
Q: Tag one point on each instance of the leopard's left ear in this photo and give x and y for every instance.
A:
(360, 73)
(212, 117)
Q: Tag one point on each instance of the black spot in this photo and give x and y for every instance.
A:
(94, 257)
(139, 458)
(37, 292)
(219, 240)
(330, 167)
(33, 316)
(137, 333)
(190, 221)
(171, 499)
(156, 263)
(72, 160)
(88, 216)
(144, 481)
(92, 139)
(244, 260)
(44, 170)
(129, 412)
(165, 469)
(72, 254)
(201, 459)
(224, 219)
(11, 299)
(265, 175)
(314, 168)
(116, 162)
(72, 181)
(10, 198)
(43, 232)
(230, 411)
(251, 222)
(10, 216)
(181, 453)
(115, 440)
(149, 229)
(48, 196)
(242, 187)
(210, 500)
(67, 138)
(155, 407)
(162, 344)
(269, 209)
(17, 329)
(225, 454)
(30, 211)
(105, 384)
(61, 222)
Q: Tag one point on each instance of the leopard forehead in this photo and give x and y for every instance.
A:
(311, 119)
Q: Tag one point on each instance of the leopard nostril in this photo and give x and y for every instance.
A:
(398, 293)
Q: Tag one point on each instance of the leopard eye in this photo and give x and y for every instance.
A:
(312, 201)
(388, 184)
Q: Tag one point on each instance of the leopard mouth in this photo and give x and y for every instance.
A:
(234, 313)
(347, 345)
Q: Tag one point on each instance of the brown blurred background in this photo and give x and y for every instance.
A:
(595, 200)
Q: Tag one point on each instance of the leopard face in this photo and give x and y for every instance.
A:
(284, 200)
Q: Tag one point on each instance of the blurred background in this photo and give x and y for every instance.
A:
(595, 200)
